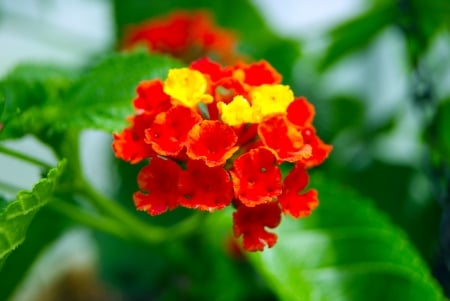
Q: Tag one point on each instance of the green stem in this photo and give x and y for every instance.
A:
(134, 227)
(145, 232)
(80, 216)
(24, 157)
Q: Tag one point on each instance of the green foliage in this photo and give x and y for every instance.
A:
(40, 235)
(356, 33)
(17, 216)
(45, 100)
(443, 130)
(27, 96)
(101, 98)
(346, 250)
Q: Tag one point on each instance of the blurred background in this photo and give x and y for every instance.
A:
(377, 72)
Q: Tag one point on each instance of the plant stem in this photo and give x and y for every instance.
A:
(78, 215)
(145, 232)
(24, 157)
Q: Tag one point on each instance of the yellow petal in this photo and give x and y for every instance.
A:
(187, 87)
(237, 112)
(270, 99)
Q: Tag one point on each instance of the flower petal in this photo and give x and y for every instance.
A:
(260, 73)
(204, 188)
(293, 200)
(270, 99)
(319, 150)
(283, 138)
(158, 184)
(212, 141)
(250, 223)
(151, 97)
(130, 145)
(168, 133)
(237, 112)
(301, 112)
(256, 177)
(188, 87)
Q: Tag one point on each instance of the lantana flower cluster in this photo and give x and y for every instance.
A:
(186, 35)
(216, 136)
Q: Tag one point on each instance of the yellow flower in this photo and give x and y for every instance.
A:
(187, 87)
(237, 112)
(270, 99)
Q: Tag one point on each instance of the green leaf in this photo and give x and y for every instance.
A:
(41, 234)
(358, 32)
(16, 217)
(346, 250)
(102, 98)
(27, 96)
(442, 129)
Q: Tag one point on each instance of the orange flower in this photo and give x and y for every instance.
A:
(216, 136)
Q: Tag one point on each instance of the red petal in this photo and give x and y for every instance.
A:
(169, 131)
(130, 145)
(256, 177)
(158, 182)
(292, 200)
(250, 222)
(281, 136)
(320, 150)
(151, 97)
(260, 73)
(301, 112)
(212, 141)
(204, 188)
(210, 68)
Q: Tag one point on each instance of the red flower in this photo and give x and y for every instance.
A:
(320, 150)
(212, 69)
(293, 200)
(256, 177)
(129, 145)
(250, 222)
(204, 188)
(212, 141)
(230, 128)
(151, 97)
(183, 34)
(169, 131)
(158, 182)
(301, 112)
(259, 73)
(281, 136)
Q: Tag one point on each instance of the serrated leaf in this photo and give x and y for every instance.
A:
(102, 98)
(16, 217)
(356, 33)
(27, 95)
(40, 235)
(346, 250)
